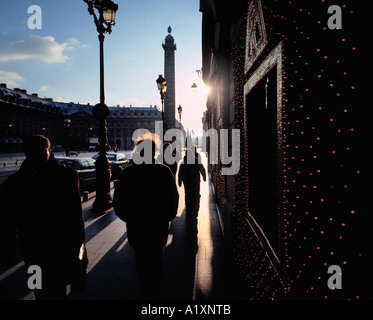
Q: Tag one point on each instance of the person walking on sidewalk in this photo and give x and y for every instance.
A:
(189, 173)
(42, 209)
(146, 198)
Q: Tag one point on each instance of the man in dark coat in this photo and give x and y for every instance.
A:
(146, 198)
(189, 173)
(41, 207)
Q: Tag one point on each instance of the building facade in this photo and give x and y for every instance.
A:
(294, 88)
(72, 124)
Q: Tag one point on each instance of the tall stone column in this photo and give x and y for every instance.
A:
(169, 48)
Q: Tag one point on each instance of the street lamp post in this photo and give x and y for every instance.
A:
(106, 19)
(162, 87)
(194, 85)
(180, 111)
(67, 122)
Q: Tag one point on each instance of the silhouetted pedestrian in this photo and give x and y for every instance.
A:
(189, 173)
(42, 209)
(146, 198)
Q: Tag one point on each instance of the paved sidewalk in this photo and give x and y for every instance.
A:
(187, 274)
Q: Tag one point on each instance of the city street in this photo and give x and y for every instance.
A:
(11, 162)
(112, 275)
(274, 92)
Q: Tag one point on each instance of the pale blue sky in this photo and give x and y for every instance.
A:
(61, 61)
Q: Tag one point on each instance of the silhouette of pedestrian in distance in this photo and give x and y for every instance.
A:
(146, 198)
(189, 173)
(42, 209)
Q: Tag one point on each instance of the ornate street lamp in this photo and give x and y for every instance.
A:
(162, 87)
(194, 85)
(180, 111)
(106, 19)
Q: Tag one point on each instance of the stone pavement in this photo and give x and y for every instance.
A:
(111, 274)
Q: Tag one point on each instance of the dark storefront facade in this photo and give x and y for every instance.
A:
(294, 88)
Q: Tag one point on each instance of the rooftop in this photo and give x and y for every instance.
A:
(21, 97)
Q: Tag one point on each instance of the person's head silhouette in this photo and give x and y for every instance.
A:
(146, 149)
(37, 149)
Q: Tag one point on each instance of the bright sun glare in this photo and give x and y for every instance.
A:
(193, 102)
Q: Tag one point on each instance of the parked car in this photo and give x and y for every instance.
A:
(73, 153)
(118, 161)
(86, 170)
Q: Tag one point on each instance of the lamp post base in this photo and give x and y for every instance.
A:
(100, 206)
(103, 200)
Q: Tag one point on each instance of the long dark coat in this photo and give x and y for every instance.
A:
(190, 174)
(146, 198)
(43, 210)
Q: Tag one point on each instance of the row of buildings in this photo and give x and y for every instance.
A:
(298, 91)
(72, 124)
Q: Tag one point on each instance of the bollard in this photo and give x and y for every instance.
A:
(85, 196)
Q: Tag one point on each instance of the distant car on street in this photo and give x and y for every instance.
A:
(118, 161)
(92, 147)
(86, 170)
(73, 153)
